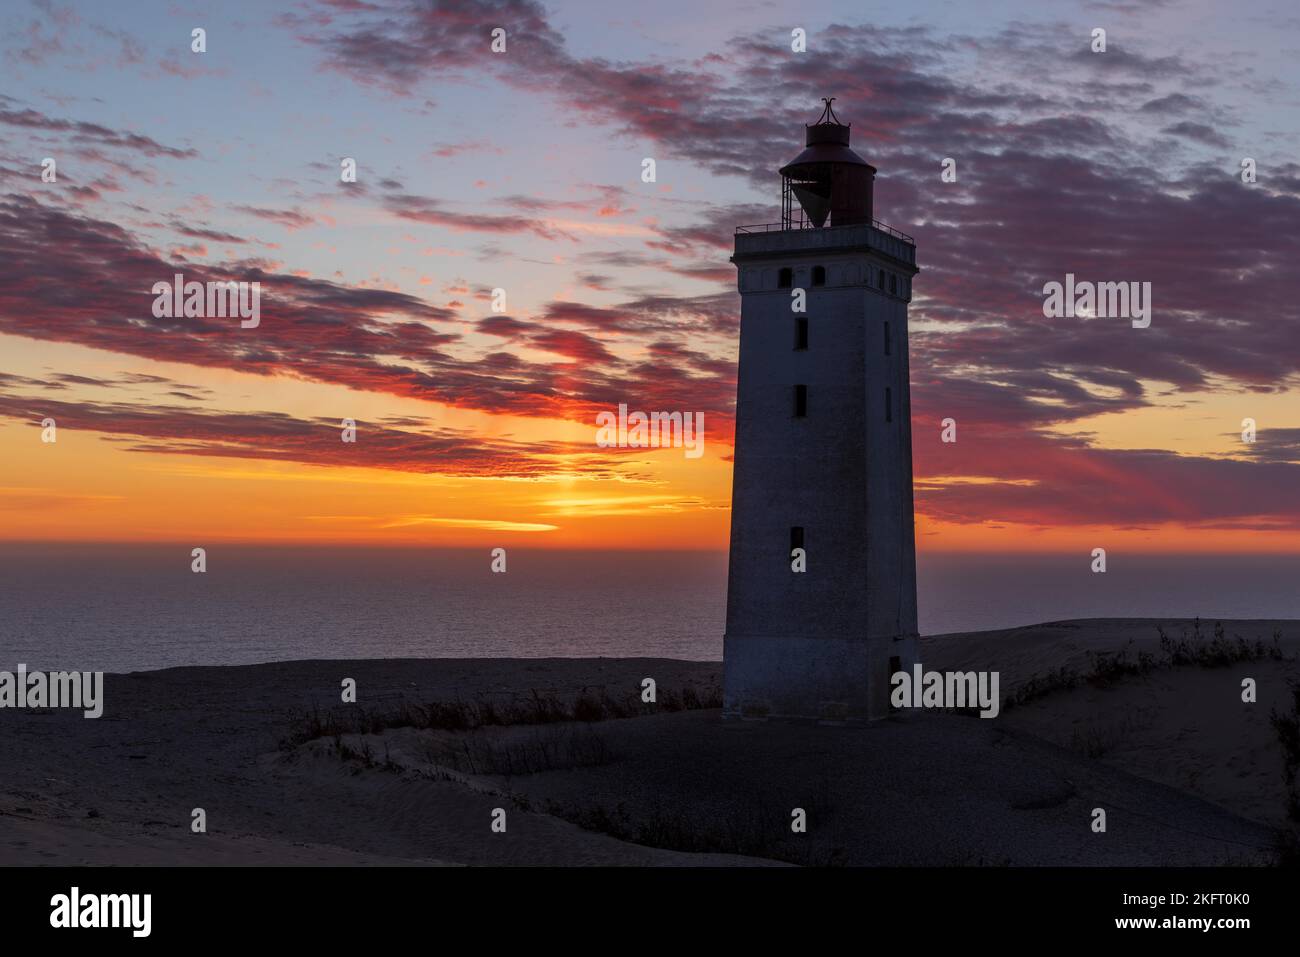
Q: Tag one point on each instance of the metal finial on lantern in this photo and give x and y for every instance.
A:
(828, 114)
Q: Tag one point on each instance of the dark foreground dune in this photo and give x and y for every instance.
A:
(1187, 773)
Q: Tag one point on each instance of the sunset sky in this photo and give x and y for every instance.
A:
(522, 171)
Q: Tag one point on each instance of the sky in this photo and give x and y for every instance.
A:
(522, 171)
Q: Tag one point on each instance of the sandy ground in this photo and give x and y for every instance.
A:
(1186, 773)
(1186, 727)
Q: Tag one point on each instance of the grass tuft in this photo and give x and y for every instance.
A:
(534, 708)
(1188, 650)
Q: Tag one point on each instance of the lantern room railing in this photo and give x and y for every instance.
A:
(781, 227)
(773, 239)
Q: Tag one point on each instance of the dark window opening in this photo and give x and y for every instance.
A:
(893, 285)
(882, 279)
(801, 333)
(785, 278)
(796, 537)
(800, 401)
(889, 405)
(819, 275)
(886, 338)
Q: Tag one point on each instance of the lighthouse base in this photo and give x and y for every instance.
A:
(840, 680)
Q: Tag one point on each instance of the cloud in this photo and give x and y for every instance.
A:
(572, 345)
(433, 212)
(1051, 481)
(97, 293)
(1200, 132)
(81, 132)
(24, 499)
(1275, 446)
(483, 524)
(273, 436)
(198, 232)
(288, 218)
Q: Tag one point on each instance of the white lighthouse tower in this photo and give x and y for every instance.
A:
(823, 464)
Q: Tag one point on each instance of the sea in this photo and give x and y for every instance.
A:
(117, 608)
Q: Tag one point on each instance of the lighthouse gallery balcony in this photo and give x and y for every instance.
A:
(774, 238)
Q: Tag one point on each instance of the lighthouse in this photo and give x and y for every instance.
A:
(821, 590)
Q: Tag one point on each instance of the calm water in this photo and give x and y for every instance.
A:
(117, 608)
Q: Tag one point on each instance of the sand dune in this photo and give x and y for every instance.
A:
(1186, 772)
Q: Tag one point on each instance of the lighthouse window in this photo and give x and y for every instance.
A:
(889, 405)
(819, 275)
(801, 333)
(893, 285)
(785, 278)
(800, 401)
(886, 338)
(796, 537)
